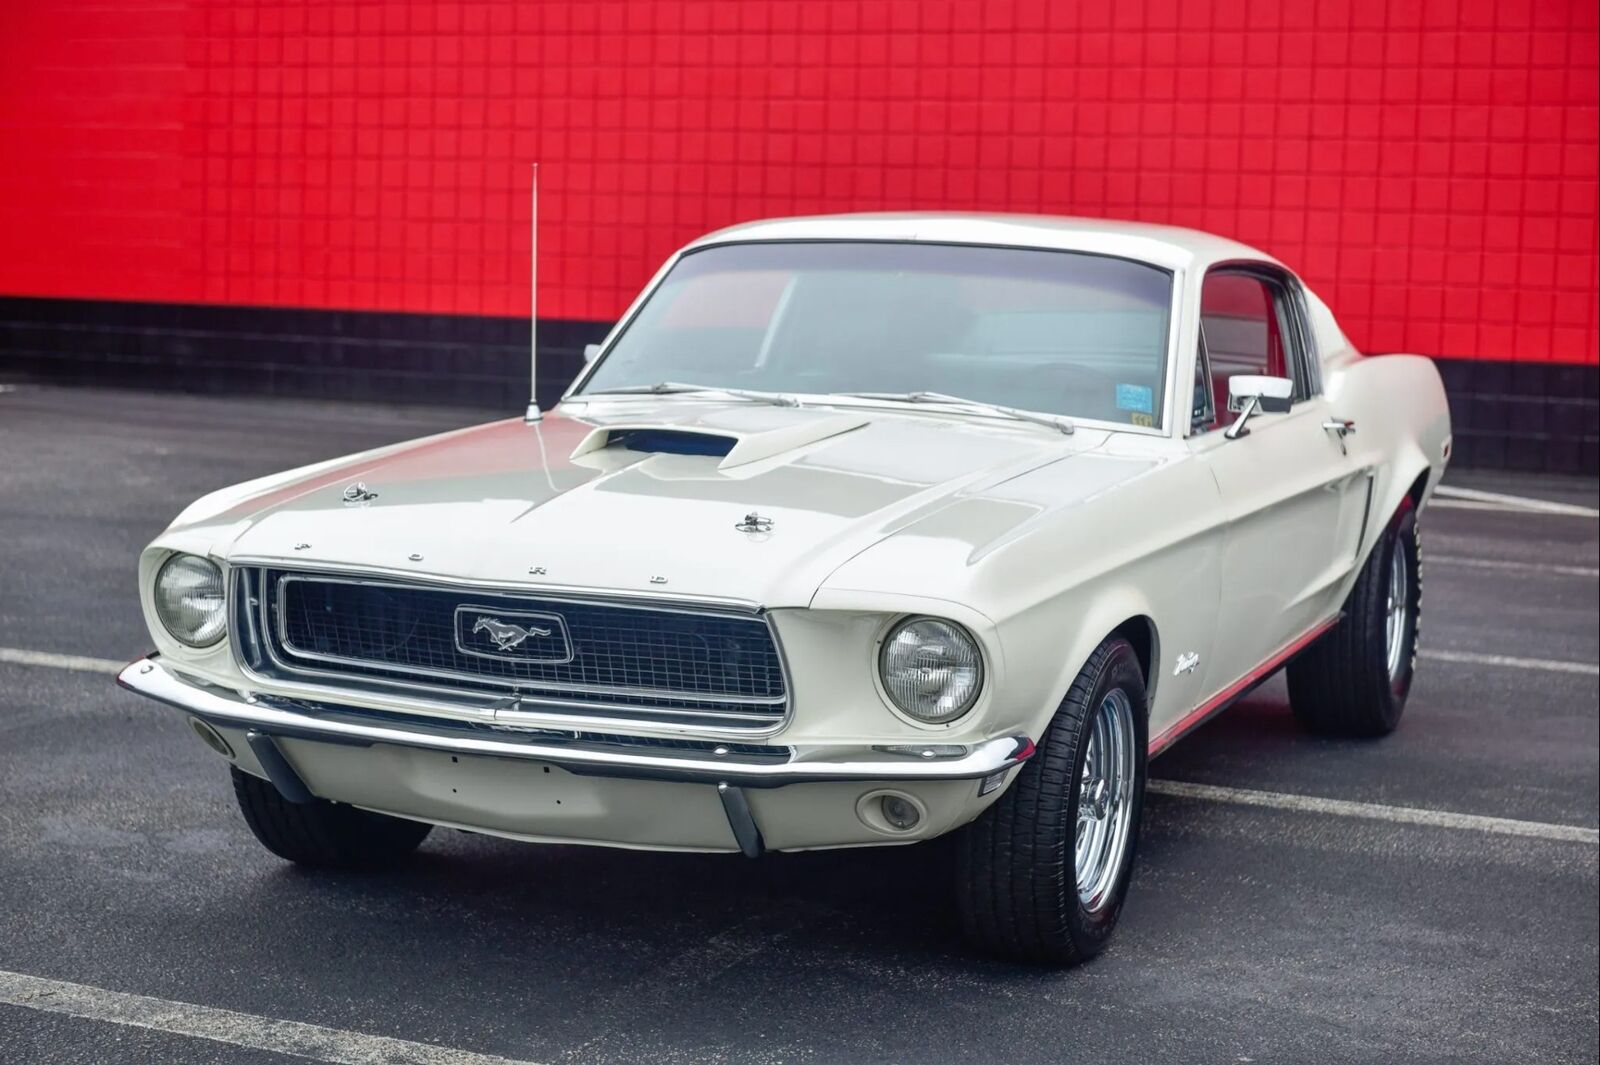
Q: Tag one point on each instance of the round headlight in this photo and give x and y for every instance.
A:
(190, 600)
(931, 669)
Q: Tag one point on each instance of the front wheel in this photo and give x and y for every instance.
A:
(321, 833)
(1043, 872)
(1354, 680)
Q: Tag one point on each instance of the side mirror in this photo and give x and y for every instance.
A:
(1250, 394)
(590, 351)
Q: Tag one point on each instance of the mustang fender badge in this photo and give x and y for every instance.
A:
(1186, 663)
(359, 493)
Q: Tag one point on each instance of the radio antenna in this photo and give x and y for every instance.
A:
(533, 414)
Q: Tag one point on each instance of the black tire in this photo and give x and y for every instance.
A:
(1016, 876)
(320, 833)
(1342, 685)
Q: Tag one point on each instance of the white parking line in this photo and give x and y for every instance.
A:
(1406, 815)
(1550, 664)
(228, 1026)
(1461, 504)
(24, 657)
(1509, 566)
(1446, 492)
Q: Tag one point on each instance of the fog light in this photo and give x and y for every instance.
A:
(899, 812)
(991, 782)
(211, 737)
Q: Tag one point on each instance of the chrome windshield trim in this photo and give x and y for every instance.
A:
(849, 402)
(1173, 265)
(344, 724)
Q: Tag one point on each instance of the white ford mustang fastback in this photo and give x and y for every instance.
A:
(855, 531)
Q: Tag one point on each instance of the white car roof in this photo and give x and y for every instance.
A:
(1168, 246)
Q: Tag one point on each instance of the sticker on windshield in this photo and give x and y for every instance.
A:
(1136, 398)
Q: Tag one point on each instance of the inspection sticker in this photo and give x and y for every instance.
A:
(1136, 398)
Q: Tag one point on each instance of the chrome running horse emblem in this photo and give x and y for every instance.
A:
(531, 637)
(506, 635)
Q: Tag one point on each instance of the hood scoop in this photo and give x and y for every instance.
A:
(734, 446)
(671, 441)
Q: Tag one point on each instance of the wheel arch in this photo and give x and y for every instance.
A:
(1419, 487)
(1412, 480)
(1123, 612)
(1140, 631)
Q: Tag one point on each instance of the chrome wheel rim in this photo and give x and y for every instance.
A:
(1398, 610)
(1105, 800)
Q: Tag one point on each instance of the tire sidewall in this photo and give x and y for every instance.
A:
(1402, 537)
(1090, 931)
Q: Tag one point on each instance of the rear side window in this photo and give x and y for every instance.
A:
(1244, 333)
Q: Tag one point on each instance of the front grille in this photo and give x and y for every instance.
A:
(578, 656)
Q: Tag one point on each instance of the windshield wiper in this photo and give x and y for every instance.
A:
(665, 388)
(1059, 422)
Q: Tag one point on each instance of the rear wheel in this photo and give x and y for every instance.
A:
(1355, 679)
(1043, 872)
(322, 833)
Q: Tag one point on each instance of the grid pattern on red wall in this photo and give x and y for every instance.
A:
(1430, 168)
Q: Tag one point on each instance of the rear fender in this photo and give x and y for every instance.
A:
(1403, 429)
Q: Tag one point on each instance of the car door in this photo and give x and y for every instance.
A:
(1293, 499)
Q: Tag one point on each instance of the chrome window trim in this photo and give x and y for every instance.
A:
(1288, 303)
(1311, 358)
(1208, 417)
(518, 705)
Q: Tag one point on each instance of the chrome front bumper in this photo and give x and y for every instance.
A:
(269, 717)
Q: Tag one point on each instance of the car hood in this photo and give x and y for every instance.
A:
(562, 504)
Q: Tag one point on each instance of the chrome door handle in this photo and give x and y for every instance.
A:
(1341, 428)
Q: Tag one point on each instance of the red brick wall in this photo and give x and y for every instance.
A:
(1430, 168)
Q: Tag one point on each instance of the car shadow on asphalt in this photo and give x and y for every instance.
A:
(560, 909)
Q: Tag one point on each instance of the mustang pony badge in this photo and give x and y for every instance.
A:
(506, 635)
(521, 636)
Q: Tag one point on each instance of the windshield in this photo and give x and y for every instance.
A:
(1061, 332)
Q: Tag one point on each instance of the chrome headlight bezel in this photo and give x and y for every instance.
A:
(967, 667)
(204, 582)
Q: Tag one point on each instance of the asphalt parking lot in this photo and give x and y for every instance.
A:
(1259, 933)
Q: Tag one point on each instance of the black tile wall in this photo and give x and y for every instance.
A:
(386, 357)
(1538, 417)
(1534, 417)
